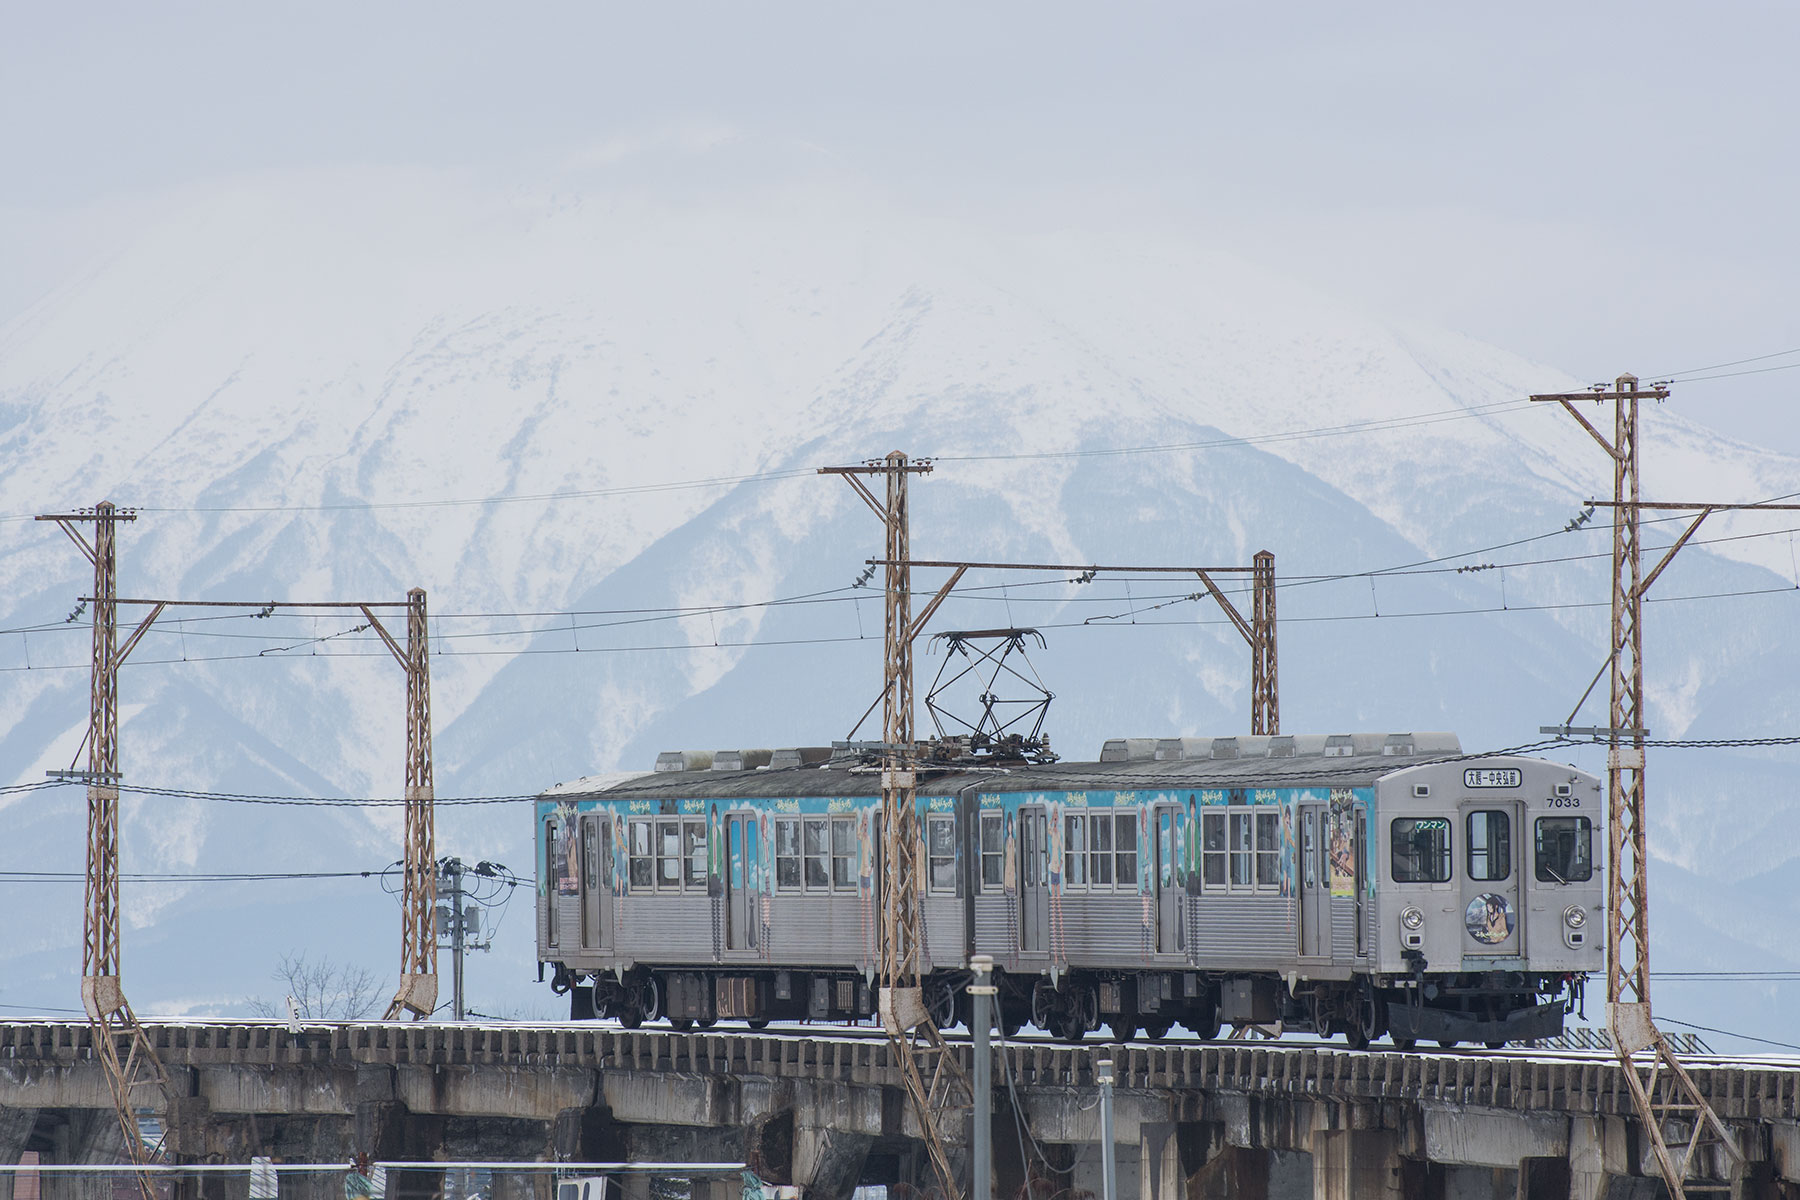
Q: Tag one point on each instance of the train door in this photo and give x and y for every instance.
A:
(596, 898)
(742, 903)
(1493, 923)
(1034, 882)
(1169, 884)
(1315, 882)
(1358, 834)
(553, 877)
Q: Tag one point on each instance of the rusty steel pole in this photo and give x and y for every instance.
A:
(913, 1037)
(126, 1053)
(1661, 1087)
(1265, 692)
(417, 992)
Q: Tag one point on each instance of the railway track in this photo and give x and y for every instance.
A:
(786, 1030)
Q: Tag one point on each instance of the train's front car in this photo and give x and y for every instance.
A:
(1492, 909)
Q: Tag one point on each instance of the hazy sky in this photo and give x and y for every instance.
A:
(1602, 187)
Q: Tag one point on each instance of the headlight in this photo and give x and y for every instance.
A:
(1574, 916)
(1412, 918)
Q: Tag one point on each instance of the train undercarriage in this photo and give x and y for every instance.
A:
(1492, 1008)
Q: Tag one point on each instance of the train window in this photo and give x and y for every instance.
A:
(941, 851)
(1075, 851)
(643, 869)
(1268, 849)
(693, 844)
(1242, 863)
(1031, 850)
(1306, 849)
(1565, 849)
(668, 855)
(1165, 863)
(590, 838)
(993, 850)
(787, 853)
(815, 853)
(1490, 845)
(1212, 849)
(843, 853)
(553, 856)
(1420, 847)
(1100, 850)
(1125, 848)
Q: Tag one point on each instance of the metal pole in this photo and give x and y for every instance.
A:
(982, 992)
(454, 869)
(1109, 1157)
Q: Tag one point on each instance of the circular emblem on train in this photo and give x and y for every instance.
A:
(1489, 918)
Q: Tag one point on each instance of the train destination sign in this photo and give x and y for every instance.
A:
(1493, 777)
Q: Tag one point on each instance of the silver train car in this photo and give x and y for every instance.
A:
(1355, 884)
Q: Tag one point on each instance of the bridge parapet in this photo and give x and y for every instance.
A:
(1573, 1082)
(816, 1102)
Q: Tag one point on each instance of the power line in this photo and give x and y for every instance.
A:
(182, 876)
(1673, 376)
(1728, 1033)
(649, 615)
(1090, 623)
(1735, 374)
(1746, 976)
(1376, 425)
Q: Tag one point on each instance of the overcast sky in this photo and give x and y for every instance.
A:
(1601, 187)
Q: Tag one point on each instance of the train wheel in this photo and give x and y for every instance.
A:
(1404, 1044)
(1069, 1028)
(1448, 1043)
(1358, 1039)
(1368, 1019)
(1157, 1031)
(1044, 1006)
(1204, 1021)
(940, 1002)
(644, 1003)
(758, 1023)
(1011, 1021)
(1123, 1028)
(1495, 1045)
(1089, 1012)
(681, 1024)
(630, 1017)
(706, 1022)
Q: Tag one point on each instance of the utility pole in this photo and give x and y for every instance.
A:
(913, 1037)
(453, 870)
(1661, 1088)
(417, 993)
(102, 993)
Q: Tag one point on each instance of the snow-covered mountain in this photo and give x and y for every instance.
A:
(337, 387)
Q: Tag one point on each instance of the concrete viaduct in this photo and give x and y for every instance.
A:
(826, 1111)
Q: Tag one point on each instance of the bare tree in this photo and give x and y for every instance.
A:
(322, 990)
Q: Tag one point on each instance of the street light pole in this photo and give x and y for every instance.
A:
(981, 1024)
(1109, 1158)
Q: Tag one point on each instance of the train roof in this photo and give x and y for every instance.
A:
(1155, 764)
